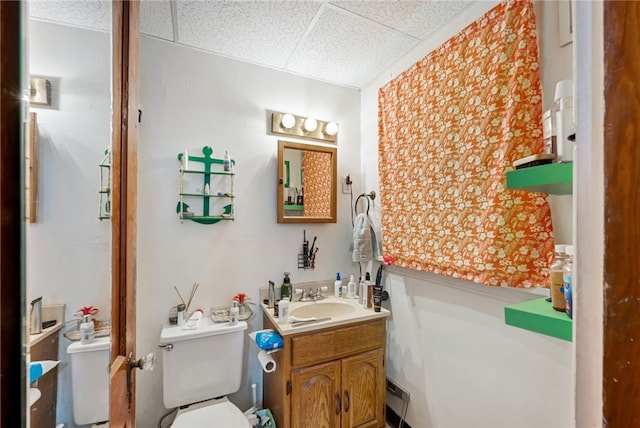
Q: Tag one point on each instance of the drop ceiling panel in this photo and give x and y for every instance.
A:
(155, 19)
(415, 18)
(95, 15)
(343, 47)
(263, 32)
(342, 42)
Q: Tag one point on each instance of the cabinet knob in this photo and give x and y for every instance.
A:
(346, 401)
(339, 402)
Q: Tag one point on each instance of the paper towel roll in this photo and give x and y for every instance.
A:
(266, 361)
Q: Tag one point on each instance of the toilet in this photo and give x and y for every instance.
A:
(90, 382)
(199, 368)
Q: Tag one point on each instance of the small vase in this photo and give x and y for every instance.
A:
(243, 310)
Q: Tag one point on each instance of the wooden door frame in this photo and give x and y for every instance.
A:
(621, 281)
(124, 152)
(12, 225)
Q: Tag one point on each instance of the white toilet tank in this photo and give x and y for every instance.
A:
(202, 364)
(90, 381)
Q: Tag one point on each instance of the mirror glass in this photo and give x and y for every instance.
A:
(306, 183)
(68, 246)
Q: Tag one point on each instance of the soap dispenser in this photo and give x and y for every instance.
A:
(87, 330)
(285, 289)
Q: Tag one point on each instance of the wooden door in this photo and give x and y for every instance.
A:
(363, 390)
(124, 176)
(12, 359)
(315, 396)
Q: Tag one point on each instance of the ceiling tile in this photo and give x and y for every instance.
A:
(80, 13)
(415, 18)
(155, 19)
(347, 49)
(264, 32)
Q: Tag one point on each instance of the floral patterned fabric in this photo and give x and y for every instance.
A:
(450, 127)
(317, 184)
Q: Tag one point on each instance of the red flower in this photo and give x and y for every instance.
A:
(87, 310)
(241, 298)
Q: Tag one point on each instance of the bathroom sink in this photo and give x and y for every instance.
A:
(322, 309)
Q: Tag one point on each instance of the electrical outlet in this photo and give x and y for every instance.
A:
(346, 184)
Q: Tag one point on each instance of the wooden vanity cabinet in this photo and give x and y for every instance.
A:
(333, 377)
(43, 411)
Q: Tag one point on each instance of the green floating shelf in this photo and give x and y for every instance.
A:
(539, 316)
(553, 178)
(294, 207)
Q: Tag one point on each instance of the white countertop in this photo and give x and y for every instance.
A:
(37, 338)
(359, 314)
(49, 312)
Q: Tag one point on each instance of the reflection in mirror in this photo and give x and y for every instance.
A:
(68, 249)
(306, 183)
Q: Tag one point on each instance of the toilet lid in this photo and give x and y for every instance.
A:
(222, 414)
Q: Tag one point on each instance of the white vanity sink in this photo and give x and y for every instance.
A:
(328, 312)
(322, 309)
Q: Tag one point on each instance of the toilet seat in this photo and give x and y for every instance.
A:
(211, 413)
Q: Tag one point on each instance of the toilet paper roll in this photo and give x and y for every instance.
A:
(266, 361)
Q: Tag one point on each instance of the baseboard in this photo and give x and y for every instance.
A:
(393, 419)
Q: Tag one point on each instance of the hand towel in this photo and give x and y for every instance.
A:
(362, 245)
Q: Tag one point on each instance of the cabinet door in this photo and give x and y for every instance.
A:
(364, 396)
(43, 411)
(315, 398)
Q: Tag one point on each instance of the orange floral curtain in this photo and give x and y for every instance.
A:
(317, 183)
(449, 129)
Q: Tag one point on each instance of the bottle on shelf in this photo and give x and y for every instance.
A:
(227, 161)
(567, 278)
(557, 281)
(563, 107)
(285, 289)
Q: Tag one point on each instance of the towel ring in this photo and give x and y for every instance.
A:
(369, 197)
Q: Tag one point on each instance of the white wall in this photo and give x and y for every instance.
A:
(190, 99)
(448, 344)
(68, 251)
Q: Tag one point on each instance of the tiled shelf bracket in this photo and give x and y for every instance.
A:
(539, 316)
(554, 179)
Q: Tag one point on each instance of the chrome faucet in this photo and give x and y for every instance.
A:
(309, 295)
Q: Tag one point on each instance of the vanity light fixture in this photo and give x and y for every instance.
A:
(310, 124)
(288, 121)
(331, 128)
(304, 127)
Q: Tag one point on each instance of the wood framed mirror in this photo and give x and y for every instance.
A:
(307, 183)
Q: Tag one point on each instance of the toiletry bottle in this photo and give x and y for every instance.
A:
(182, 308)
(87, 332)
(234, 311)
(285, 289)
(567, 277)
(337, 286)
(227, 161)
(563, 107)
(351, 288)
(368, 295)
(557, 282)
(362, 292)
(283, 309)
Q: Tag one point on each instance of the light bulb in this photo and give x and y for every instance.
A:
(288, 121)
(310, 124)
(331, 129)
